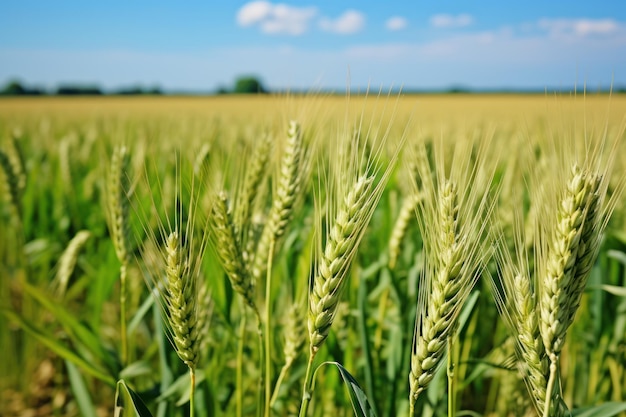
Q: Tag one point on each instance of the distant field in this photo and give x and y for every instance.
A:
(440, 106)
(136, 234)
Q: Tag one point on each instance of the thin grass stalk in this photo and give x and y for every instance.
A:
(239, 377)
(262, 378)
(268, 330)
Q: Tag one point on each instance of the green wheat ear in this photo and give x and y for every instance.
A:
(570, 255)
(407, 213)
(181, 301)
(229, 250)
(68, 259)
(334, 263)
(454, 220)
(11, 184)
(118, 202)
(289, 190)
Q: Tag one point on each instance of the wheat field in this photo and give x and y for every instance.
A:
(369, 255)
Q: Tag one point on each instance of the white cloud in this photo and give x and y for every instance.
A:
(579, 27)
(351, 21)
(396, 23)
(276, 18)
(253, 12)
(448, 21)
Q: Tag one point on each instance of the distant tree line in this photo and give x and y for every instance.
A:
(247, 84)
(16, 88)
(242, 85)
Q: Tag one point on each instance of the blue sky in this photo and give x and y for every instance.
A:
(200, 45)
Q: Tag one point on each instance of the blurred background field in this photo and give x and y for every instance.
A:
(65, 147)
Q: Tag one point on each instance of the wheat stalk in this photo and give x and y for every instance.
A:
(333, 265)
(173, 272)
(293, 171)
(450, 281)
(118, 219)
(359, 182)
(516, 299)
(453, 225)
(566, 261)
(229, 251)
(563, 272)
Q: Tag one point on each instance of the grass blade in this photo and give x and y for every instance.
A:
(81, 393)
(603, 410)
(358, 398)
(128, 403)
(59, 348)
(78, 332)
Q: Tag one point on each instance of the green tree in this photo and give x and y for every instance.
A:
(13, 88)
(248, 85)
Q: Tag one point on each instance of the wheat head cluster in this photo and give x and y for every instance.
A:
(304, 261)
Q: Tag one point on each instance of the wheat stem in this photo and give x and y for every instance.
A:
(123, 331)
(307, 390)
(192, 388)
(239, 377)
(268, 330)
(451, 374)
(551, 384)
